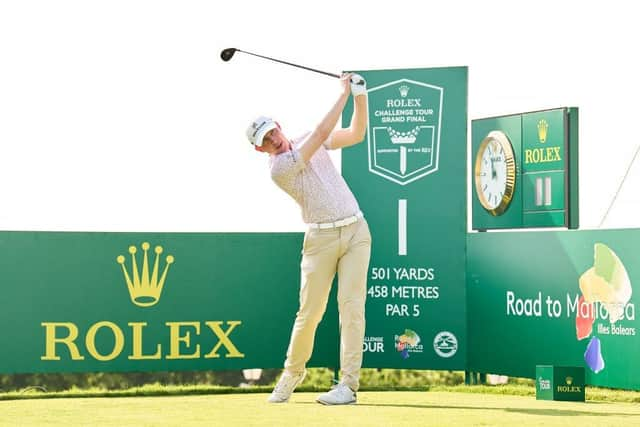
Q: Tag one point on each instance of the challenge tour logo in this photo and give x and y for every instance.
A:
(144, 290)
(373, 345)
(404, 130)
(544, 384)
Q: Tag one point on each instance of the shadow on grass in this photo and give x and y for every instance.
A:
(567, 412)
(548, 412)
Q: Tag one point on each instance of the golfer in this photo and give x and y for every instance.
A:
(337, 239)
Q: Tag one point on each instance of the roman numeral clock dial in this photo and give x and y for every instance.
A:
(495, 173)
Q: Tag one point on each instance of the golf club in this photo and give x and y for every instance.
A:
(228, 53)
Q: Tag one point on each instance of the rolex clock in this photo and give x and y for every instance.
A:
(525, 170)
(495, 173)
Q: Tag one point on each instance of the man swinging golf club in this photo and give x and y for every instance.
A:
(337, 240)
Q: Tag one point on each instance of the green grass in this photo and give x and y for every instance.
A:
(150, 390)
(374, 408)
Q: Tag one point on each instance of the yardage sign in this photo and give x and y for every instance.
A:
(409, 176)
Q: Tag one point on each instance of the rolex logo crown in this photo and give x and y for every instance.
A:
(569, 380)
(543, 126)
(145, 289)
(404, 90)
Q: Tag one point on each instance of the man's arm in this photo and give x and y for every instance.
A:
(326, 126)
(355, 132)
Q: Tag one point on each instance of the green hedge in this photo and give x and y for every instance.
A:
(316, 377)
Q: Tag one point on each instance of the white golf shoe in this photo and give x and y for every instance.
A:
(286, 384)
(340, 394)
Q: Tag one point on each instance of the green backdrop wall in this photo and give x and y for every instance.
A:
(524, 304)
(228, 301)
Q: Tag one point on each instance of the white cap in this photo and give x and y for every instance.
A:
(258, 129)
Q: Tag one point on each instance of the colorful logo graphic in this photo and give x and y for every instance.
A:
(445, 344)
(145, 290)
(407, 342)
(605, 285)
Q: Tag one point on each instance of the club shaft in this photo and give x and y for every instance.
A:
(289, 63)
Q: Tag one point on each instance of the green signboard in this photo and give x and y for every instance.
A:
(559, 298)
(560, 383)
(409, 176)
(77, 302)
(525, 170)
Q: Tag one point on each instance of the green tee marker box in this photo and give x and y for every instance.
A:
(560, 383)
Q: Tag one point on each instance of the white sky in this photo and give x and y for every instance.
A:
(120, 115)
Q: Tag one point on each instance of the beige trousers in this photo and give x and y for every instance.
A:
(344, 250)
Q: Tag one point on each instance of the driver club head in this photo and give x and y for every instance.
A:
(227, 54)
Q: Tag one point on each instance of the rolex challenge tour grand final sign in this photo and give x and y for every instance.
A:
(409, 178)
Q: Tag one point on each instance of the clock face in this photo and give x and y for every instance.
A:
(495, 173)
